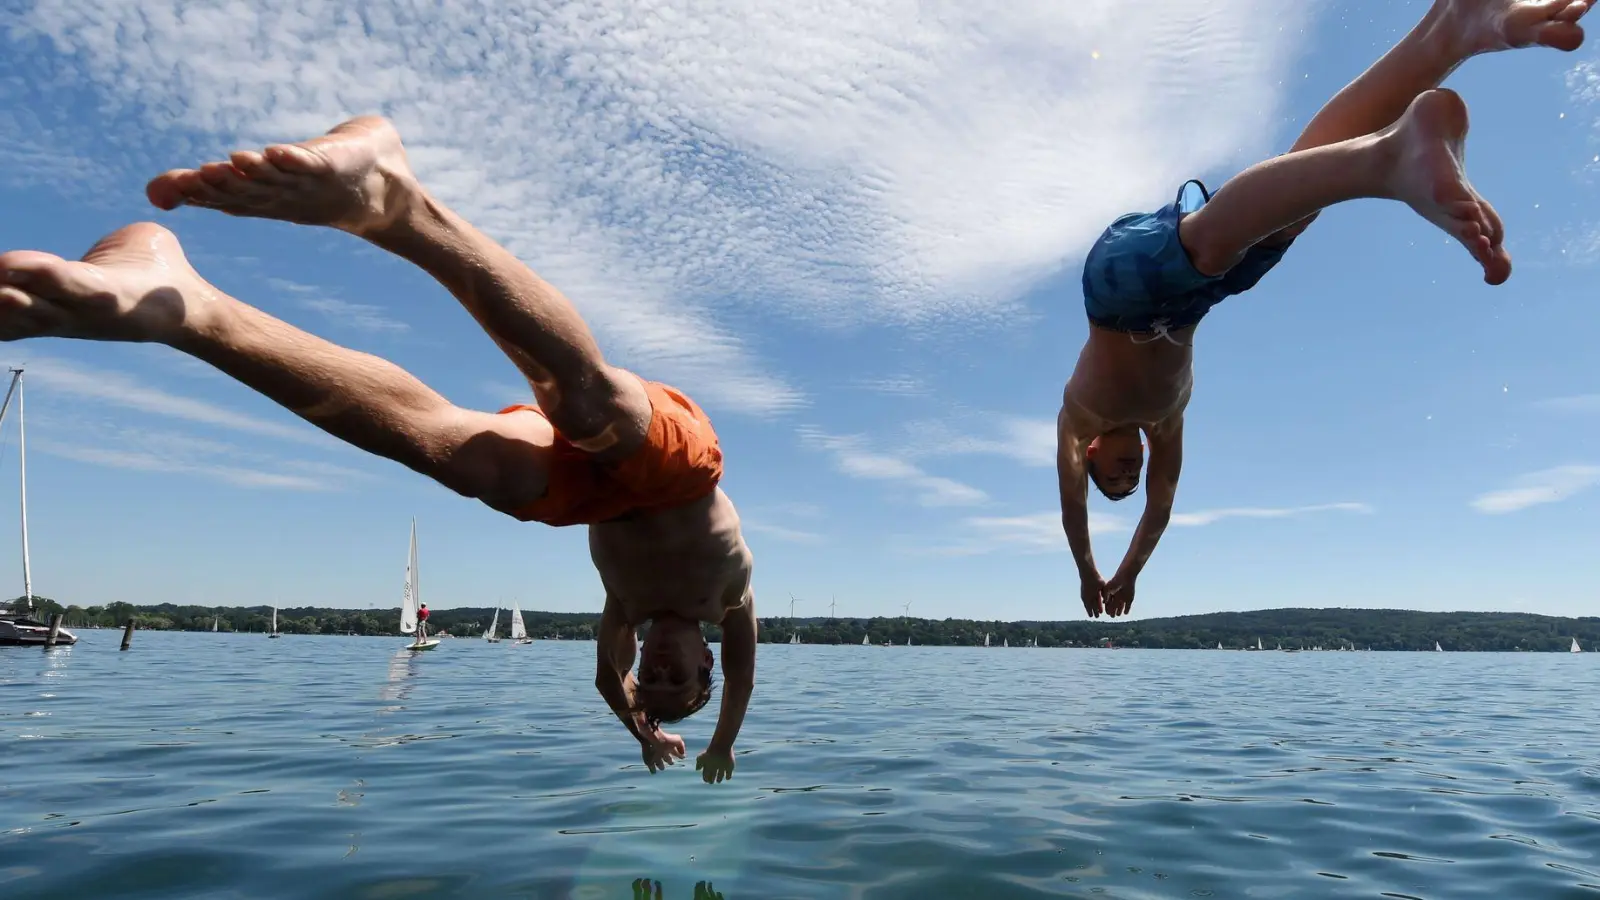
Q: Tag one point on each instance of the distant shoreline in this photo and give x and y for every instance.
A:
(1288, 628)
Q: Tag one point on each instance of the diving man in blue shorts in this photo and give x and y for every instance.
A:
(1151, 277)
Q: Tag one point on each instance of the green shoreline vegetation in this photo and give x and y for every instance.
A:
(1291, 629)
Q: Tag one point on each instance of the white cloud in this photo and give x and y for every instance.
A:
(1029, 441)
(1209, 516)
(359, 316)
(779, 532)
(853, 458)
(1043, 532)
(893, 385)
(166, 451)
(104, 385)
(904, 161)
(1582, 403)
(1537, 488)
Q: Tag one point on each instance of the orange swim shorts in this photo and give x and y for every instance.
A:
(679, 462)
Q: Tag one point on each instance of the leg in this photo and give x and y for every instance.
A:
(136, 286)
(356, 179)
(1450, 33)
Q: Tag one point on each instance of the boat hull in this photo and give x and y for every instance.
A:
(28, 633)
(424, 645)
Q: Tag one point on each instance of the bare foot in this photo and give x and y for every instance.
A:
(1484, 26)
(1429, 175)
(134, 285)
(354, 178)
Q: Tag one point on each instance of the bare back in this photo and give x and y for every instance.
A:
(1126, 379)
(690, 560)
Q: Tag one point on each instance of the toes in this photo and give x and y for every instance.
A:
(254, 167)
(171, 188)
(1573, 11)
(296, 159)
(1565, 36)
(30, 270)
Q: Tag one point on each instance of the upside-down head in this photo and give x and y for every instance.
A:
(1114, 461)
(674, 670)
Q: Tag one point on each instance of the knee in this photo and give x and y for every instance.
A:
(1210, 256)
(604, 407)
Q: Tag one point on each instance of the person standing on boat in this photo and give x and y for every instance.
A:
(422, 623)
(1152, 276)
(636, 461)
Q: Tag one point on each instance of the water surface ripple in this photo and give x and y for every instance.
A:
(231, 766)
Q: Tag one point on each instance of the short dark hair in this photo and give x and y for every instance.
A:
(655, 718)
(1094, 476)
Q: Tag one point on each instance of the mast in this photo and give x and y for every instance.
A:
(22, 456)
(5, 406)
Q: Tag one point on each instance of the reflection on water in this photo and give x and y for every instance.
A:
(340, 768)
(647, 889)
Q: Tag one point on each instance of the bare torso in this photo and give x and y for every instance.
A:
(690, 561)
(1125, 380)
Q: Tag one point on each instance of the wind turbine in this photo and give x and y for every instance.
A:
(908, 609)
(792, 602)
(831, 605)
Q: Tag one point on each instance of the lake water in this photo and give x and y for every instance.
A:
(231, 766)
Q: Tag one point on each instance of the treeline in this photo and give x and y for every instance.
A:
(1329, 629)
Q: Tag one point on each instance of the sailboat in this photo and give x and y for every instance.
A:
(519, 631)
(411, 600)
(494, 626)
(986, 638)
(1005, 642)
(1258, 643)
(18, 627)
(274, 631)
(794, 637)
(864, 641)
(1575, 647)
(214, 621)
(1437, 648)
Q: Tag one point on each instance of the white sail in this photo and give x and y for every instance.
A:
(22, 443)
(1437, 648)
(22, 460)
(986, 638)
(1005, 642)
(409, 602)
(274, 621)
(519, 630)
(863, 640)
(214, 621)
(1258, 643)
(1575, 647)
(494, 626)
(794, 637)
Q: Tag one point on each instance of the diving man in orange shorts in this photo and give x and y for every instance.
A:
(1151, 277)
(636, 461)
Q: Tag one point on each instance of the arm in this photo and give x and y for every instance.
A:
(738, 675)
(1073, 479)
(1161, 478)
(615, 651)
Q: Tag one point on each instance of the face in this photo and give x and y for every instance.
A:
(1118, 458)
(669, 666)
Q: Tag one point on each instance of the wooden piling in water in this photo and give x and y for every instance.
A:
(127, 635)
(55, 630)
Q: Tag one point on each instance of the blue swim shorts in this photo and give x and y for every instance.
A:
(1138, 277)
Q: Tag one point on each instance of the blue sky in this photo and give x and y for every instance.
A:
(853, 232)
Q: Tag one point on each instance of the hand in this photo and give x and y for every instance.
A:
(1093, 592)
(660, 749)
(1119, 594)
(715, 765)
